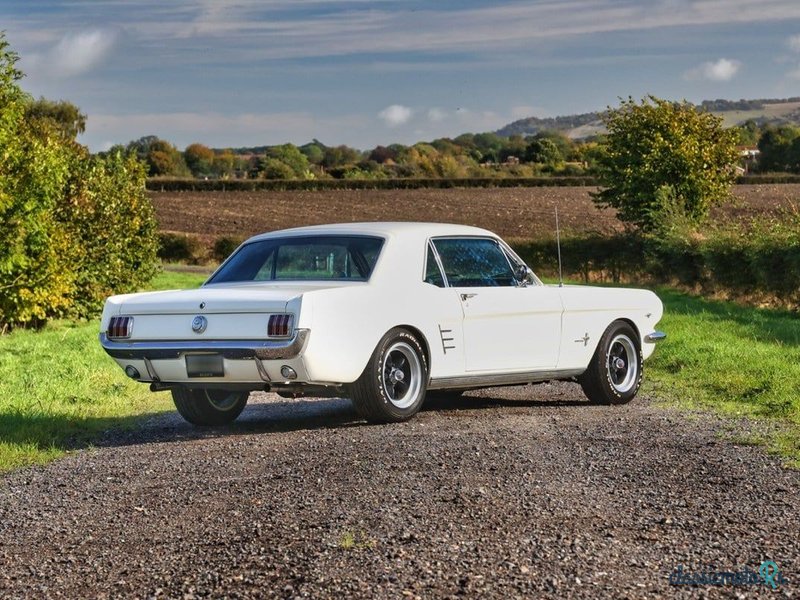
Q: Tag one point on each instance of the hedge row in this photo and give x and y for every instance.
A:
(280, 185)
(725, 262)
(252, 185)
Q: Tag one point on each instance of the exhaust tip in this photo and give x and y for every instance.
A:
(132, 372)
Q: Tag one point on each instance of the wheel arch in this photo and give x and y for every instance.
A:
(633, 325)
(423, 341)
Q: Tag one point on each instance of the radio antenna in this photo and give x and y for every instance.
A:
(558, 245)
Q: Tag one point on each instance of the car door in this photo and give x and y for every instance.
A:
(506, 326)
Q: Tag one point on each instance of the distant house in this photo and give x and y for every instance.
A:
(748, 156)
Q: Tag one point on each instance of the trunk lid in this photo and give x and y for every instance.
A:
(247, 298)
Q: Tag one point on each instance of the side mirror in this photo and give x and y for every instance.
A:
(523, 276)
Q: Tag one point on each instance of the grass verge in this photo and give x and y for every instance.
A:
(59, 390)
(737, 360)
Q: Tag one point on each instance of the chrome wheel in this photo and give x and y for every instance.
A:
(622, 364)
(221, 400)
(401, 375)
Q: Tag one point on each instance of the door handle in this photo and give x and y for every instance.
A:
(467, 296)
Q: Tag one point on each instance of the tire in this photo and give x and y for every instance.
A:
(615, 371)
(209, 407)
(392, 387)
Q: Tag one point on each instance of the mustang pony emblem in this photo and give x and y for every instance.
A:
(199, 324)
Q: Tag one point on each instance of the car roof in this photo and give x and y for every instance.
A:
(381, 228)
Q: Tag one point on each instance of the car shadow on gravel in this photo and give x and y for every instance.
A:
(470, 402)
(258, 417)
(266, 413)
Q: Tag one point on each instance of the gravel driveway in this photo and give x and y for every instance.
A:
(515, 492)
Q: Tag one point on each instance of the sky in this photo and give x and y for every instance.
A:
(232, 73)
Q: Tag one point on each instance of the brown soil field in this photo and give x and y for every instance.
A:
(514, 213)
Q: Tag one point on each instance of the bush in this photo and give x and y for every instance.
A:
(179, 247)
(764, 260)
(74, 228)
(659, 144)
(225, 246)
(111, 226)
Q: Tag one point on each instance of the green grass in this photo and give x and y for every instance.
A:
(59, 390)
(737, 360)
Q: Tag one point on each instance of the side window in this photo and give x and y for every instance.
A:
(432, 273)
(474, 262)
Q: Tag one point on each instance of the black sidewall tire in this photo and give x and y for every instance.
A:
(596, 382)
(197, 409)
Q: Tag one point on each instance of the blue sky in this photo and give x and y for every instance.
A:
(255, 72)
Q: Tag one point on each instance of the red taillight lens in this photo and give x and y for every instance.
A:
(279, 325)
(120, 327)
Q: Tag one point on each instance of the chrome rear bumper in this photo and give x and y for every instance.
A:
(230, 349)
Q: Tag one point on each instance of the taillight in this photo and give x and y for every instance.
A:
(279, 325)
(120, 327)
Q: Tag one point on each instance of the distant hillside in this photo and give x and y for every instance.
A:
(734, 112)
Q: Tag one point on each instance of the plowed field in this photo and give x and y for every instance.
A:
(514, 213)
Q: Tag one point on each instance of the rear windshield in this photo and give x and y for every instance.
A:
(319, 258)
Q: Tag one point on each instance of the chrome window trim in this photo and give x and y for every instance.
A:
(249, 242)
(497, 241)
(511, 255)
(438, 260)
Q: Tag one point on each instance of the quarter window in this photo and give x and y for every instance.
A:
(474, 262)
(433, 274)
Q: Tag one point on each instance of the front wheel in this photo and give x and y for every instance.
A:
(392, 386)
(209, 407)
(615, 371)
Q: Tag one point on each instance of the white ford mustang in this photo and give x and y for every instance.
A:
(383, 313)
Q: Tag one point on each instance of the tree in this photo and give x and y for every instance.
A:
(290, 156)
(226, 163)
(314, 151)
(775, 148)
(34, 171)
(199, 159)
(73, 228)
(64, 116)
(340, 156)
(162, 158)
(544, 151)
(272, 168)
(657, 150)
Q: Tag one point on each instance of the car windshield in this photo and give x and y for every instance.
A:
(318, 258)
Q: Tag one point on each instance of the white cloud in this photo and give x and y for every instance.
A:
(395, 115)
(78, 53)
(723, 69)
(435, 115)
(794, 43)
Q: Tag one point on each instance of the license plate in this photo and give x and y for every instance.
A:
(204, 365)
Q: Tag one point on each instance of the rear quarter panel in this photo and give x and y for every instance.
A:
(347, 325)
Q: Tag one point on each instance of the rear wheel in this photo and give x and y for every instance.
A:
(209, 407)
(615, 371)
(392, 386)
